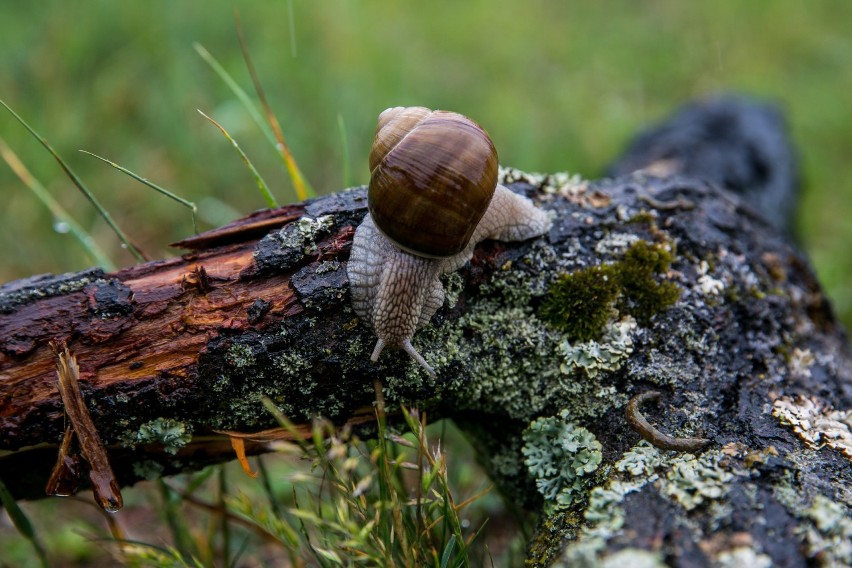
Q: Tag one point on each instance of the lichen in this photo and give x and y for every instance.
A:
(563, 183)
(706, 284)
(604, 513)
(594, 357)
(560, 455)
(172, 434)
(693, 480)
(304, 231)
(634, 558)
(741, 556)
(830, 536)
(816, 423)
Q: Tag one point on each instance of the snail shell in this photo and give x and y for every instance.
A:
(433, 174)
(433, 196)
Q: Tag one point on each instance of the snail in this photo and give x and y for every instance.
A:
(433, 196)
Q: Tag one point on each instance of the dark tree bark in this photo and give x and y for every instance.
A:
(749, 356)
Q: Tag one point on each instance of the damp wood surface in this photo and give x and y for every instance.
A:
(173, 353)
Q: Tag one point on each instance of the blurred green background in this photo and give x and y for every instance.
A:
(559, 85)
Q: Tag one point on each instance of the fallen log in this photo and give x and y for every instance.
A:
(644, 283)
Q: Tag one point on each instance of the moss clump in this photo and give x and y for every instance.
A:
(642, 296)
(581, 303)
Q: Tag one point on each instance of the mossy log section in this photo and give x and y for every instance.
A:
(749, 356)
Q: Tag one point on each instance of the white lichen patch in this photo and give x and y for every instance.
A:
(643, 459)
(615, 243)
(604, 513)
(816, 423)
(830, 537)
(608, 354)
(563, 183)
(800, 363)
(706, 284)
(559, 455)
(633, 558)
(304, 231)
(742, 556)
(693, 480)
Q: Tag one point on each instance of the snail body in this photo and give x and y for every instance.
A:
(433, 196)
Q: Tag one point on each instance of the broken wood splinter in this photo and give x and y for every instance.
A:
(104, 483)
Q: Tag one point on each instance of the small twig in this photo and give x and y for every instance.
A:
(103, 480)
(663, 441)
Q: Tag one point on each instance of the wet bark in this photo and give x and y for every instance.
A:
(750, 356)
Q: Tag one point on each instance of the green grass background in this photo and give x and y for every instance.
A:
(559, 85)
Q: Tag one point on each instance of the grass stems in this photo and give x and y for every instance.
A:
(137, 254)
(185, 202)
(264, 189)
(62, 219)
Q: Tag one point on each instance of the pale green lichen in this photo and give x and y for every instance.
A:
(606, 355)
(327, 266)
(690, 481)
(304, 231)
(634, 558)
(830, 536)
(693, 480)
(561, 182)
(172, 434)
(559, 455)
(615, 244)
(240, 356)
(643, 459)
(741, 557)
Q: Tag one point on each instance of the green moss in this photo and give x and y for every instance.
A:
(642, 296)
(581, 303)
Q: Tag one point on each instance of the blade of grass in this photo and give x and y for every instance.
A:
(237, 90)
(21, 522)
(78, 182)
(300, 184)
(448, 552)
(264, 189)
(183, 541)
(344, 148)
(224, 527)
(59, 213)
(185, 202)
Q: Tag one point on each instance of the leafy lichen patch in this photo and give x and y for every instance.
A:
(594, 357)
(693, 480)
(830, 536)
(560, 455)
(815, 422)
(172, 434)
